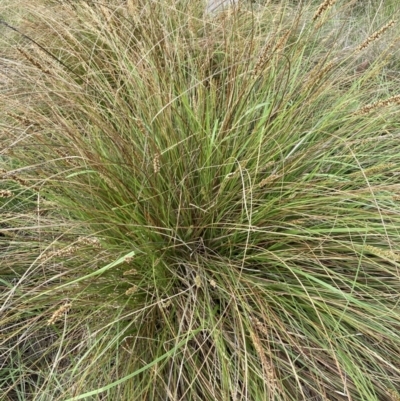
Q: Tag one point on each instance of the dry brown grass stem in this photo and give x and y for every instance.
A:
(376, 35)
(72, 249)
(377, 105)
(59, 312)
(165, 303)
(106, 13)
(262, 59)
(323, 7)
(269, 164)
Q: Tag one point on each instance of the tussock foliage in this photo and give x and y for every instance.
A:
(199, 207)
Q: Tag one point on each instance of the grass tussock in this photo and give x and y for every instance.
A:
(199, 207)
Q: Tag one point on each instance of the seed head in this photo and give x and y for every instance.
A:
(59, 312)
(376, 35)
(5, 193)
(323, 7)
(377, 105)
(131, 290)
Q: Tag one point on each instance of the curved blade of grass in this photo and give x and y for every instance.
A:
(136, 372)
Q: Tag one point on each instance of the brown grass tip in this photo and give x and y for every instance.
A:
(268, 51)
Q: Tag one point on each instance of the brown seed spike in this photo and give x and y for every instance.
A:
(33, 61)
(377, 105)
(4, 193)
(323, 7)
(376, 35)
(156, 163)
(59, 312)
(131, 290)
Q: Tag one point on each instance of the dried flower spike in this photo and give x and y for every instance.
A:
(128, 259)
(131, 290)
(213, 283)
(382, 103)
(59, 312)
(262, 59)
(33, 61)
(165, 303)
(382, 253)
(323, 7)
(265, 362)
(5, 193)
(92, 241)
(132, 272)
(376, 35)
(197, 281)
(68, 251)
(269, 179)
(156, 163)
(395, 395)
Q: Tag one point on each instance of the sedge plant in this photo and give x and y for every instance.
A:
(199, 206)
